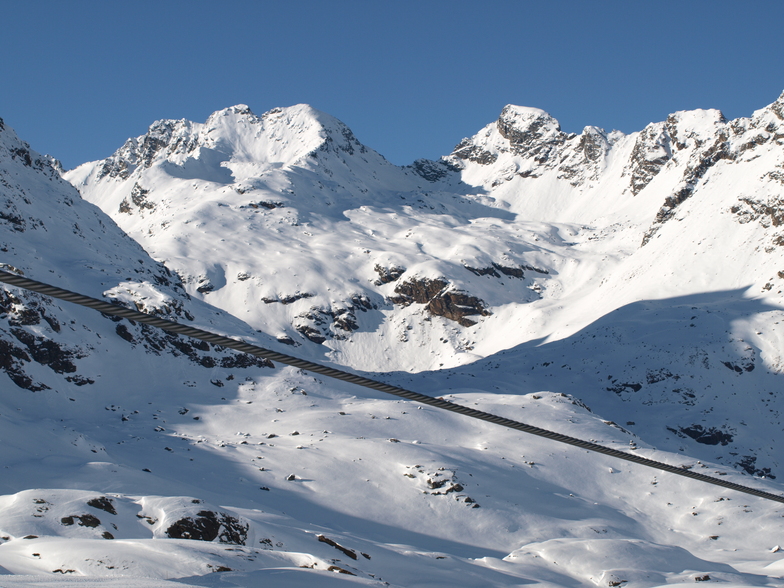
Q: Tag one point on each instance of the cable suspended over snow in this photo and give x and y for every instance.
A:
(179, 329)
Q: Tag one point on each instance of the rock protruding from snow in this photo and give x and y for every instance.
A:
(530, 132)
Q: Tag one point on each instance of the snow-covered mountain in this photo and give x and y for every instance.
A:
(523, 234)
(289, 223)
(569, 281)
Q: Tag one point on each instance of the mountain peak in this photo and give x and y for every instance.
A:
(526, 114)
(522, 125)
(771, 115)
(301, 128)
(232, 114)
(279, 137)
(520, 130)
(236, 109)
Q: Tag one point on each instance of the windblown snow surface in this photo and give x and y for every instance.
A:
(625, 289)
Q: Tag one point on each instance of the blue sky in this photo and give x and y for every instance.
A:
(410, 78)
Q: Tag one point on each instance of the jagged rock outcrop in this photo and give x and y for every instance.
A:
(138, 199)
(531, 132)
(526, 132)
(207, 525)
(388, 274)
(699, 165)
(440, 300)
(527, 142)
(433, 171)
(651, 152)
(466, 150)
(496, 270)
(338, 321)
(164, 136)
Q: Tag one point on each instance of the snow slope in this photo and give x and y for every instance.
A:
(527, 283)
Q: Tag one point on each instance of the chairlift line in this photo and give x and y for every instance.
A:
(239, 345)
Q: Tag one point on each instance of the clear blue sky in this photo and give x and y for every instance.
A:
(411, 78)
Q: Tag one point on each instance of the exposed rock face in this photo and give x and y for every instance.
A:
(421, 291)
(139, 200)
(199, 352)
(388, 274)
(319, 323)
(433, 171)
(266, 204)
(587, 159)
(777, 108)
(651, 152)
(312, 334)
(169, 136)
(340, 140)
(468, 151)
(12, 360)
(103, 503)
(440, 300)
(770, 213)
(748, 463)
(495, 268)
(700, 162)
(85, 520)
(348, 552)
(287, 298)
(709, 436)
(47, 352)
(531, 132)
(208, 526)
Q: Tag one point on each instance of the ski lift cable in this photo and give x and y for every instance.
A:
(238, 345)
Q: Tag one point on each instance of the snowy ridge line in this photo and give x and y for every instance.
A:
(180, 329)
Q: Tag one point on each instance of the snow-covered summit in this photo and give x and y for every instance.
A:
(234, 139)
(281, 136)
(527, 142)
(522, 131)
